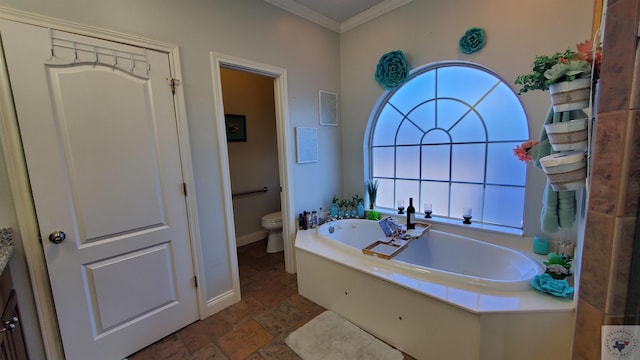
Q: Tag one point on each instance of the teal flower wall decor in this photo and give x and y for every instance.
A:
(392, 70)
(472, 40)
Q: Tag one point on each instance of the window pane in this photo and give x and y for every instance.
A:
(435, 162)
(470, 129)
(436, 193)
(468, 163)
(386, 126)
(449, 112)
(408, 134)
(436, 136)
(503, 167)
(385, 194)
(504, 115)
(424, 116)
(414, 92)
(408, 162)
(452, 78)
(466, 195)
(382, 161)
(406, 189)
(508, 206)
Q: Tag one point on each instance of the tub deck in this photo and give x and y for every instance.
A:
(431, 318)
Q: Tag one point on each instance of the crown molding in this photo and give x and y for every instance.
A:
(354, 21)
(372, 13)
(304, 12)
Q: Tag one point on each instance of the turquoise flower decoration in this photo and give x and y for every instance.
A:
(392, 70)
(546, 284)
(472, 40)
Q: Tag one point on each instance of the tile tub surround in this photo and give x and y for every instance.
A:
(615, 183)
(431, 316)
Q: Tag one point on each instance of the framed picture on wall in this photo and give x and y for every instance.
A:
(307, 144)
(328, 108)
(236, 127)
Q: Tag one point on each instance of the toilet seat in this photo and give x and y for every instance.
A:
(274, 217)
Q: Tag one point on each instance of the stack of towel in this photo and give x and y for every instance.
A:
(558, 208)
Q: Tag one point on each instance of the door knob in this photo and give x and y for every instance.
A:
(57, 237)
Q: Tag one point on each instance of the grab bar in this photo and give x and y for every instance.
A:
(264, 189)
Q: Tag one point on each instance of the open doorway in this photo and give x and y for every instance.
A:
(278, 77)
(252, 147)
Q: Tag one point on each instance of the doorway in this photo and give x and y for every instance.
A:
(283, 135)
(252, 146)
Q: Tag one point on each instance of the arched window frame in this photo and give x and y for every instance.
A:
(451, 213)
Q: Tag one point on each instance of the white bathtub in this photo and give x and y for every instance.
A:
(444, 256)
(442, 288)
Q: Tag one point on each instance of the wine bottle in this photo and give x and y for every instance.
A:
(411, 215)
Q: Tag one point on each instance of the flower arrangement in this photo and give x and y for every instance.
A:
(522, 151)
(559, 67)
(558, 266)
(592, 55)
(392, 70)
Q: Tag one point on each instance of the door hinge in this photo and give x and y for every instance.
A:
(173, 82)
(195, 281)
(184, 188)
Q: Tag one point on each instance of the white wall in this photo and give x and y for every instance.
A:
(249, 29)
(429, 31)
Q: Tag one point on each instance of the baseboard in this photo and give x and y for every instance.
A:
(251, 237)
(221, 302)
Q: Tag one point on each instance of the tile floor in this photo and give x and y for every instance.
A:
(254, 328)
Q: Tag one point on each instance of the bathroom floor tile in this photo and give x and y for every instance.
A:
(280, 319)
(244, 340)
(171, 347)
(272, 294)
(208, 352)
(242, 311)
(277, 349)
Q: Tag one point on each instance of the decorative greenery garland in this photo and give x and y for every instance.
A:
(472, 40)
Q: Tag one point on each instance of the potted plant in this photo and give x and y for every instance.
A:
(334, 207)
(558, 266)
(566, 75)
(372, 190)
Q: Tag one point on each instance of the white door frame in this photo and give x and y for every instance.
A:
(279, 76)
(19, 180)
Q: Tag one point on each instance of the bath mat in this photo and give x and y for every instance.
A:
(330, 337)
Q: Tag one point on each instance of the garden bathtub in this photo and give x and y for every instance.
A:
(442, 288)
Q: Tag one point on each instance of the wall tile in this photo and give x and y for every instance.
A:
(607, 156)
(617, 61)
(630, 192)
(622, 249)
(635, 83)
(614, 320)
(586, 341)
(596, 259)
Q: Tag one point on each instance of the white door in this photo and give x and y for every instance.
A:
(100, 138)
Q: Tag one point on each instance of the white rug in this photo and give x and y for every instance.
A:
(330, 337)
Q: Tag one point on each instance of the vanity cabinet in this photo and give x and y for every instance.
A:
(12, 346)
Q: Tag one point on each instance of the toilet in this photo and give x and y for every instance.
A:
(273, 223)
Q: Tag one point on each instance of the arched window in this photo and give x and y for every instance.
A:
(446, 137)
